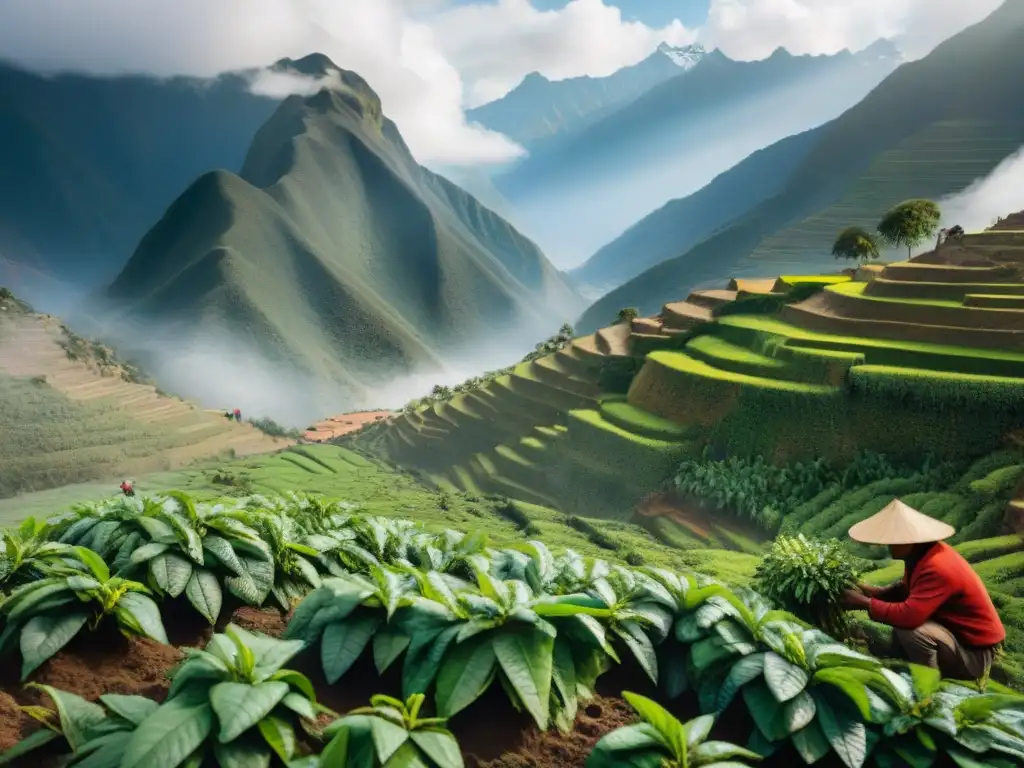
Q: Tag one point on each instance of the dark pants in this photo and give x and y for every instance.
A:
(932, 645)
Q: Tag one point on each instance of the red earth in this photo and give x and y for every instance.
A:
(336, 426)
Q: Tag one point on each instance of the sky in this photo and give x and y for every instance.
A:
(429, 60)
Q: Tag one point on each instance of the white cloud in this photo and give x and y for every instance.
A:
(396, 54)
(998, 194)
(752, 29)
(494, 45)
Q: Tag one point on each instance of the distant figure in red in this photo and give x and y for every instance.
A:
(238, 415)
(126, 488)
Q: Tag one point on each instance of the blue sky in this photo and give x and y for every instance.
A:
(655, 13)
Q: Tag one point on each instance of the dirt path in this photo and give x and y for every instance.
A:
(336, 426)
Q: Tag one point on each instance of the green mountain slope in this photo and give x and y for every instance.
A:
(335, 254)
(538, 109)
(930, 129)
(680, 224)
(90, 163)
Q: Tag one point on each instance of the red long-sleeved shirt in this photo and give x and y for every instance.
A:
(942, 587)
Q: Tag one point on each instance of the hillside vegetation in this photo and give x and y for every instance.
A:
(334, 254)
(72, 412)
(931, 128)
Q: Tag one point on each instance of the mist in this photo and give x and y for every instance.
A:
(980, 204)
(678, 159)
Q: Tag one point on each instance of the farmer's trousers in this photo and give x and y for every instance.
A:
(932, 645)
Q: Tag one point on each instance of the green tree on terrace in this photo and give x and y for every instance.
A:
(909, 223)
(855, 243)
(627, 315)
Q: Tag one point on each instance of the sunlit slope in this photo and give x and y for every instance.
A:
(334, 251)
(932, 126)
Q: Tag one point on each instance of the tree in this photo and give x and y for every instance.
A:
(909, 223)
(627, 315)
(855, 243)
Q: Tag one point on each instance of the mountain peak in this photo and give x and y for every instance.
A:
(312, 65)
(882, 48)
(683, 56)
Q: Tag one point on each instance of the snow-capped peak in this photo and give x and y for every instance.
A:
(684, 56)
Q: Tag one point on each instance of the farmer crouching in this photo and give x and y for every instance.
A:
(940, 611)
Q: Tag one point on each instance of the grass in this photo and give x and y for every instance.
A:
(793, 280)
(642, 423)
(858, 290)
(691, 368)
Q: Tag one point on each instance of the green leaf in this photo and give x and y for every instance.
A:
(387, 737)
(279, 735)
(204, 592)
(77, 716)
(464, 675)
(765, 710)
(147, 552)
(43, 636)
(171, 734)
(844, 732)
(94, 562)
(526, 660)
(439, 746)
(668, 727)
(171, 572)
(300, 705)
(640, 646)
(242, 754)
(31, 742)
(811, 743)
(926, 680)
(271, 653)
(223, 552)
(423, 659)
(388, 644)
(742, 672)
(784, 680)
(134, 709)
(343, 642)
(240, 706)
(146, 614)
(106, 751)
(713, 751)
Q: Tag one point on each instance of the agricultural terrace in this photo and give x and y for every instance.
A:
(301, 631)
(661, 422)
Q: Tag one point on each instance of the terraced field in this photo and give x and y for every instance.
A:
(941, 160)
(68, 420)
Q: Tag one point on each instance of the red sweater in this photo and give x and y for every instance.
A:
(941, 587)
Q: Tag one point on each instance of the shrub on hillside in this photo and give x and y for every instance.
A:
(807, 577)
(270, 427)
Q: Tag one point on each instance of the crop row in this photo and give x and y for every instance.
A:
(459, 617)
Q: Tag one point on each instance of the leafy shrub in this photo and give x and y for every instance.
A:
(268, 426)
(808, 577)
(595, 535)
(660, 739)
(44, 615)
(391, 733)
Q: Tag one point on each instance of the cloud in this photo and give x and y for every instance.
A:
(397, 54)
(495, 45)
(752, 29)
(998, 194)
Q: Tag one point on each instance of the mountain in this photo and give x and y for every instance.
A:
(929, 130)
(538, 109)
(87, 164)
(680, 224)
(675, 138)
(332, 257)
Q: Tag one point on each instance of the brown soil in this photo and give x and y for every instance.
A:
(336, 426)
(663, 505)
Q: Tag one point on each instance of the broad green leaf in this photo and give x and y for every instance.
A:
(243, 753)
(925, 680)
(239, 706)
(279, 735)
(742, 672)
(613, 746)
(343, 642)
(198, 666)
(106, 751)
(784, 680)
(147, 552)
(672, 677)
(668, 727)
(31, 597)
(640, 646)
(811, 743)
(300, 705)
(146, 614)
(710, 752)
(466, 672)
(43, 636)
(31, 742)
(223, 552)
(271, 653)
(134, 709)
(94, 562)
(526, 660)
(388, 644)
(171, 572)
(77, 716)
(765, 710)
(424, 658)
(204, 592)
(844, 732)
(171, 734)
(387, 737)
(439, 746)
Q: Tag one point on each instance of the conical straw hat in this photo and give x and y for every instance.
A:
(900, 524)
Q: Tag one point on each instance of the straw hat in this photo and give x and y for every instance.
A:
(900, 524)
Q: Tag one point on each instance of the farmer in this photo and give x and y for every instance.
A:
(941, 614)
(126, 488)
(238, 415)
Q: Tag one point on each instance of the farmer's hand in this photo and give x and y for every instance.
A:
(855, 600)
